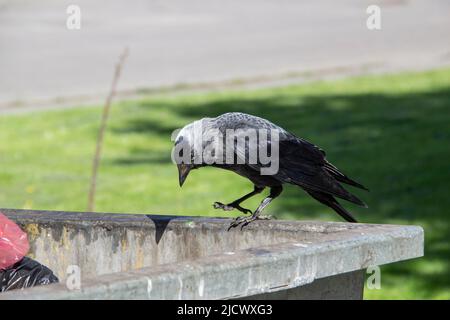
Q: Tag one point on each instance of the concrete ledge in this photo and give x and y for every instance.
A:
(345, 286)
(172, 257)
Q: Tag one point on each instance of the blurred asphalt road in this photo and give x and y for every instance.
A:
(177, 41)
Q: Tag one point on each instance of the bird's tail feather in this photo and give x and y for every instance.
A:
(323, 182)
(330, 201)
(339, 176)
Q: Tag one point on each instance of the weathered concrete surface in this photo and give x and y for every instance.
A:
(172, 257)
(346, 286)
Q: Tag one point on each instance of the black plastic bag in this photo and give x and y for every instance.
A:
(24, 274)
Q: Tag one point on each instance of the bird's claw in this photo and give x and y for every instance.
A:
(244, 221)
(229, 207)
(220, 205)
(235, 223)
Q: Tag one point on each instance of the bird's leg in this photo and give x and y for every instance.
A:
(236, 203)
(274, 192)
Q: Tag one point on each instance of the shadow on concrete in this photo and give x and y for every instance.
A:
(161, 223)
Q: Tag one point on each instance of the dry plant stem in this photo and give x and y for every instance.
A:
(101, 132)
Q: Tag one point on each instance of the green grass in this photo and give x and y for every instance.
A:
(389, 132)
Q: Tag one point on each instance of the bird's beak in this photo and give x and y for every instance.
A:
(183, 171)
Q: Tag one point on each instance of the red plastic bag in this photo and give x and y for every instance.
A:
(13, 243)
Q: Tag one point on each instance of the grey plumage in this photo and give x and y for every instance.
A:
(300, 163)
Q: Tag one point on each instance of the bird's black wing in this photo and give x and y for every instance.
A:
(304, 164)
(300, 162)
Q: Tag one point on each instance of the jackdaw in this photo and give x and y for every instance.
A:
(228, 142)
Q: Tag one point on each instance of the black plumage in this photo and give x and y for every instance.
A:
(300, 163)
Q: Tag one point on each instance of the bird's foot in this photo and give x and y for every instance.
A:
(230, 206)
(243, 221)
